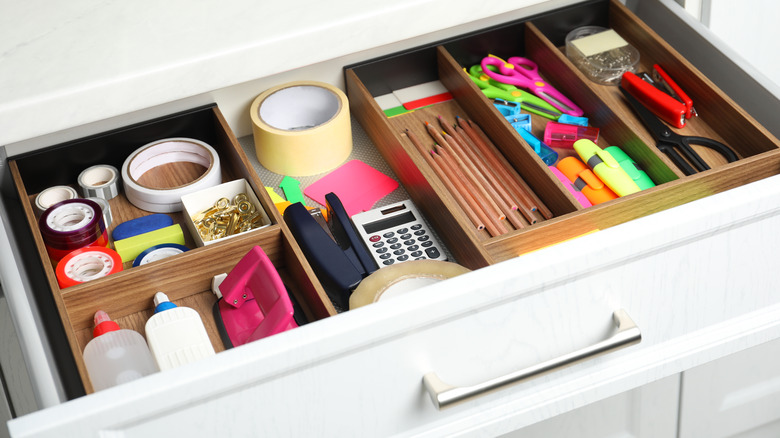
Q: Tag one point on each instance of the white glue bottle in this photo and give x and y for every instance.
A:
(115, 355)
(176, 335)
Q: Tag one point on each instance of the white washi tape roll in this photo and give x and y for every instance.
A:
(53, 195)
(100, 181)
(170, 150)
(301, 128)
(396, 280)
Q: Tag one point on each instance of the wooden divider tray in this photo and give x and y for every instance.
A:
(127, 296)
(541, 39)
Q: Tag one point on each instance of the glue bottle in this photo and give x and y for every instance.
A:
(176, 335)
(116, 355)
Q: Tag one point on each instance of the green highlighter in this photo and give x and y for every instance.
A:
(605, 167)
(632, 169)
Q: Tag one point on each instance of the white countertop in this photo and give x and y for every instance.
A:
(65, 64)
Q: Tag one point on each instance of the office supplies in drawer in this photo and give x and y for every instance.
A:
(397, 233)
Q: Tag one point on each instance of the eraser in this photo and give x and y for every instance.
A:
(131, 247)
(141, 225)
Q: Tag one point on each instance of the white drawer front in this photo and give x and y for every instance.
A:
(685, 277)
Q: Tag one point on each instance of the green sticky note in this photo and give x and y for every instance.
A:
(390, 112)
(292, 190)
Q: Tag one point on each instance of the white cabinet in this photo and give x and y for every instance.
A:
(738, 395)
(699, 280)
(646, 412)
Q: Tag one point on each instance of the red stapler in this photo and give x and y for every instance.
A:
(661, 95)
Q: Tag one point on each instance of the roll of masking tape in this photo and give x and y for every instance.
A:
(400, 279)
(53, 195)
(301, 128)
(166, 151)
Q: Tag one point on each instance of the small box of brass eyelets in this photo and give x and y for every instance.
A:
(223, 211)
(601, 54)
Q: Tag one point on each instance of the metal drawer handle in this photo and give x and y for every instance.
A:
(444, 395)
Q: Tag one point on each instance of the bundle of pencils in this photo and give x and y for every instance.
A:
(487, 189)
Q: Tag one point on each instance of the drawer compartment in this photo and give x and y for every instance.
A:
(186, 278)
(541, 39)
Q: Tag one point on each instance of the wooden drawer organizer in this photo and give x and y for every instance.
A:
(541, 38)
(185, 278)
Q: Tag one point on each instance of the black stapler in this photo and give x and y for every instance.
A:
(341, 261)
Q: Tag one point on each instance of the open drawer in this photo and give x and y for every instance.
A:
(186, 278)
(542, 39)
(361, 373)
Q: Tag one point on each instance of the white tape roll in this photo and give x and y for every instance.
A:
(100, 181)
(396, 280)
(301, 128)
(53, 195)
(170, 150)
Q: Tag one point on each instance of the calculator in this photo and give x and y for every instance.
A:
(397, 233)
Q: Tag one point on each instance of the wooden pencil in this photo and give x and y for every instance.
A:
(465, 205)
(525, 204)
(492, 225)
(518, 189)
(495, 181)
(465, 151)
(491, 207)
(546, 213)
(486, 179)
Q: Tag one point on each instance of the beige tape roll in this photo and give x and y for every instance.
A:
(396, 280)
(301, 128)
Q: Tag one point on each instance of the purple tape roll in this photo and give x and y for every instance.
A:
(72, 224)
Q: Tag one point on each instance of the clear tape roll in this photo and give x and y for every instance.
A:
(165, 151)
(396, 280)
(301, 128)
(54, 195)
(99, 181)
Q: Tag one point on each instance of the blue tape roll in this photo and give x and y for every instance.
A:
(158, 252)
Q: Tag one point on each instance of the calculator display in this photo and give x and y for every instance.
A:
(390, 222)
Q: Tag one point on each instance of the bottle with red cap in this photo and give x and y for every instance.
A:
(116, 355)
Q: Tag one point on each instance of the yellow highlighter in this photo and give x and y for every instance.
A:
(606, 167)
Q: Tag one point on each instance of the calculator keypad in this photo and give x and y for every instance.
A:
(407, 243)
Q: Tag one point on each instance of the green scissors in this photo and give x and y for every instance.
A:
(497, 90)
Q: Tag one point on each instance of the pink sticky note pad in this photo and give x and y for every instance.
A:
(357, 185)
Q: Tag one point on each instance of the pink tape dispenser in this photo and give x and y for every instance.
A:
(253, 303)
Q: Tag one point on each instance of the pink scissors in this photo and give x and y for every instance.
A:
(522, 72)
